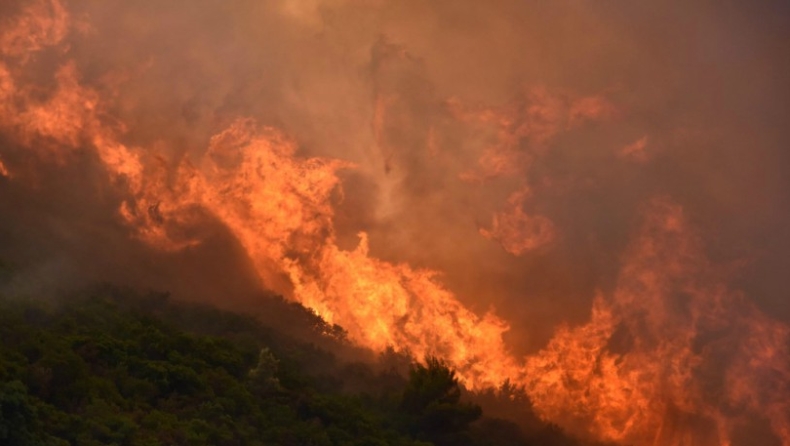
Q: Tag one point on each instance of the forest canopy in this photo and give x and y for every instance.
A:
(113, 366)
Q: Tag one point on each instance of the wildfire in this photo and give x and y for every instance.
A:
(517, 231)
(520, 130)
(638, 371)
(278, 206)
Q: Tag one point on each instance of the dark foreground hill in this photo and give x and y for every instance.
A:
(116, 368)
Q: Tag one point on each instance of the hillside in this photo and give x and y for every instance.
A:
(112, 366)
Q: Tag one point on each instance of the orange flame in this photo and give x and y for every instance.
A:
(278, 207)
(40, 24)
(4, 170)
(525, 127)
(639, 371)
(517, 231)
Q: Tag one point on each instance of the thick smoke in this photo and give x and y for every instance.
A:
(519, 149)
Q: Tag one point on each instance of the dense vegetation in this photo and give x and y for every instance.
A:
(113, 367)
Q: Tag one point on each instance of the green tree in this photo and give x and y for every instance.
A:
(18, 420)
(263, 378)
(432, 405)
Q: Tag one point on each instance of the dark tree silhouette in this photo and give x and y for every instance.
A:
(432, 407)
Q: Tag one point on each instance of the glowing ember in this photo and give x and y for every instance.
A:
(4, 170)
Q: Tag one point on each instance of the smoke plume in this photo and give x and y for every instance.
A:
(588, 199)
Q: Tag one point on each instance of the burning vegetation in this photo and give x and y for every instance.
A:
(399, 235)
